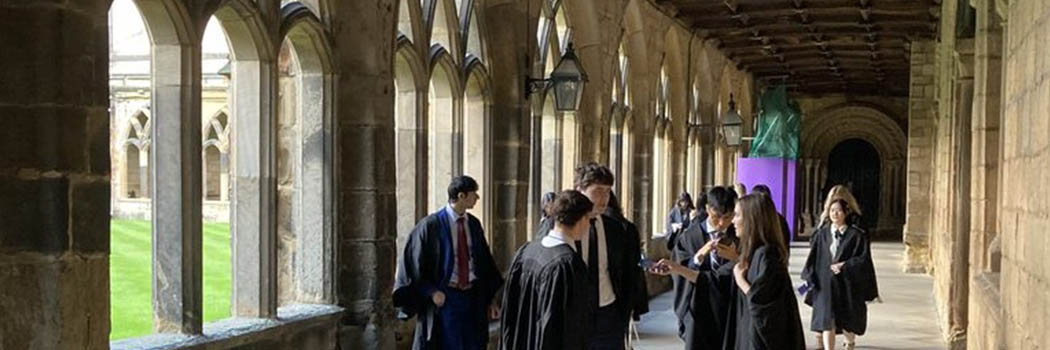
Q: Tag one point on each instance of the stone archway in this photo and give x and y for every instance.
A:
(830, 127)
(856, 164)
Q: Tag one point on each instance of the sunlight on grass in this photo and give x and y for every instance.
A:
(131, 285)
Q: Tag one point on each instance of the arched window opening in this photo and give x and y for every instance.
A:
(441, 135)
(476, 144)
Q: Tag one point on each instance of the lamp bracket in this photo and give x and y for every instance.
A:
(533, 85)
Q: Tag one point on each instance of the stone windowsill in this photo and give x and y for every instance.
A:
(234, 331)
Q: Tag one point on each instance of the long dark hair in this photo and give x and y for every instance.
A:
(759, 225)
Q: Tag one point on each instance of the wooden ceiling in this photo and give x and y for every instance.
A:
(815, 46)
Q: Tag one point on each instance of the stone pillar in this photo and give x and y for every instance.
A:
(54, 175)
(177, 184)
(985, 329)
(254, 206)
(512, 128)
(960, 233)
(922, 109)
(365, 227)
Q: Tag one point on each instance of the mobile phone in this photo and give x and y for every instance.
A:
(726, 241)
(645, 263)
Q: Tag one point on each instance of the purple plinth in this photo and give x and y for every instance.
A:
(779, 175)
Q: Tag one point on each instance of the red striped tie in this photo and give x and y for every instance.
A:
(462, 256)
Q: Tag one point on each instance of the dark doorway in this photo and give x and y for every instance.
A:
(855, 163)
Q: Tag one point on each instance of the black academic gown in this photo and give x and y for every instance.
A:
(677, 216)
(840, 301)
(767, 317)
(786, 231)
(426, 266)
(702, 306)
(549, 301)
(624, 250)
(640, 296)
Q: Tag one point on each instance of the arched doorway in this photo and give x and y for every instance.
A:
(855, 163)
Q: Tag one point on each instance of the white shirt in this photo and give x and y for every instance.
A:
(454, 226)
(834, 240)
(554, 239)
(710, 236)
(606, 295)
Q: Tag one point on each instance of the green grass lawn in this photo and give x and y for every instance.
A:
(131, 285)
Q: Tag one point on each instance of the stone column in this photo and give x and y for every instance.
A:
(54, 175)
(956, 302)
(177, 181)
(512, 127)
(254, 210)
(922, 109)
(365, 227)
(985, 327)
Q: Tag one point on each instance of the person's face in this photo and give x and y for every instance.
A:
(838, 214)
(599, 195)
(469, 199)
(720, 220)
(738, 218)
(683, 204)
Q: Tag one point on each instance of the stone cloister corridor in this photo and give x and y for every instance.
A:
(273, 155)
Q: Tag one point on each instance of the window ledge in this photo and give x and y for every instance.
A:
(234, 331)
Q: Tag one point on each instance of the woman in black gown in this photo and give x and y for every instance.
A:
(766, 311)
(841, 277)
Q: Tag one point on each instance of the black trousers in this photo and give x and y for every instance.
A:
(610, 328)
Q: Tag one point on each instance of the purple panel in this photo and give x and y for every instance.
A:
(779, 174)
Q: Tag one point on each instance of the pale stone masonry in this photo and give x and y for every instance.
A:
(921, 128)
(321, 205)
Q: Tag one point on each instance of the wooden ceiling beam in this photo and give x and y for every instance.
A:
(903, 29)
(787, 9)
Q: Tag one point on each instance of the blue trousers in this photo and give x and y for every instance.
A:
(458, 320)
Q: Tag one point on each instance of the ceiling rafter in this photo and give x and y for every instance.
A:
(825, 44)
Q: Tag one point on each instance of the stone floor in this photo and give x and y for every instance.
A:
(903, 321)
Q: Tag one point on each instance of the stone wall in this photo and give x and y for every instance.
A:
(54, 176)
(1025, 205)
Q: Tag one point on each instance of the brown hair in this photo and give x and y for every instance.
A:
(592, 173)
(569, 207)
(759, 225)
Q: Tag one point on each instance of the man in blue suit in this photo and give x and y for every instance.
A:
(447, 277)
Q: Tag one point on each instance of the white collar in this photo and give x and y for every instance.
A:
(555, 238)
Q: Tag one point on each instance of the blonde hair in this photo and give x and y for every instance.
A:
(836, 193)
(759, 225)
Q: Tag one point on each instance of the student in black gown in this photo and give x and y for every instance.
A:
(784, 229)
(702, 279)
(841, 277)
(641, 293)
(611, 254)
(549, 299)
(447, 277)
(765, 315)
(679, 217)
